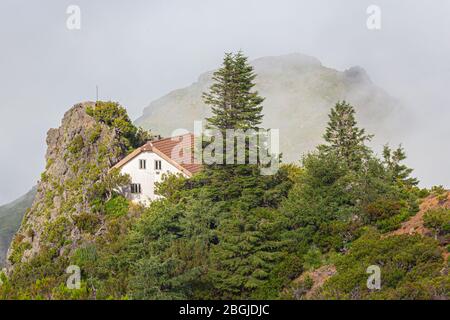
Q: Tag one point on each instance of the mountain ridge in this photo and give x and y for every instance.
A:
(299, 91)
(11, 215)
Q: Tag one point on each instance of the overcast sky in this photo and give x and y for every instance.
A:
(137, 51)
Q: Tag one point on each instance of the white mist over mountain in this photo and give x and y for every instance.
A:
(299, 93)
(139, 51)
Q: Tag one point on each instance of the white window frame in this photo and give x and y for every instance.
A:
(158, 165)
(135, 188)
(142, 164)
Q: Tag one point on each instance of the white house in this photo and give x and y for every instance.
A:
(147, 164)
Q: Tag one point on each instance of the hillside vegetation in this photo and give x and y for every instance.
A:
(10, 218)
(309, 231)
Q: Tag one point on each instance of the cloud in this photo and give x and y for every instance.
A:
(136, 52)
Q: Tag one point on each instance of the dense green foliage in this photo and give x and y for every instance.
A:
(10, 218)
(439, 221)
(114, 115)
(410, 269)
(231, 233)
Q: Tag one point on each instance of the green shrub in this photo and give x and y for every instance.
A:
(85, 257)
(388, 214)
(49, 163)
(383, 209)
(87, 222)
(18, 250)
(63, 293)
(423, 193)
(115, 116)
(76, 145)
(438, 220)
(117, 206)
(95, 133)
(54, 231)
(312, 259)
(298, 289)
(405, 262)
(394, 222)
(439, 192)
(44, 177)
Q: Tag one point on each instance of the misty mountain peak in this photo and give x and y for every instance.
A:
(299, 93)
(288, 61)
(357, 74)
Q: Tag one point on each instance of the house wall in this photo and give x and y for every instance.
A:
(146, 177)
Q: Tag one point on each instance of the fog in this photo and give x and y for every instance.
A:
(137, 51)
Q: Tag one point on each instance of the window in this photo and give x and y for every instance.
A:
(158, 165)
(142, 164)
(135, 188)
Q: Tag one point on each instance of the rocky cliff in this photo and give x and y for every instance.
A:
(62, 216)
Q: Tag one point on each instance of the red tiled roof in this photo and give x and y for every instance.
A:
(175, 150)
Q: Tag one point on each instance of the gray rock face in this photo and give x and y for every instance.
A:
(79, 152)
(299, 93)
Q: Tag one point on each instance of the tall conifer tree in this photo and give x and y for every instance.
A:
(399, 172)
(234, 102)
(344, 137)
(235, 105)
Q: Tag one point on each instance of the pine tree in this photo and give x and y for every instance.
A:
(251, 246)
(234, 103)
(344, 137)
(398, 171)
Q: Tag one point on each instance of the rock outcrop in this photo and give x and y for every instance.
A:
(79, 153)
